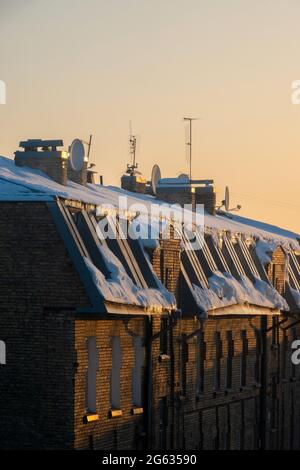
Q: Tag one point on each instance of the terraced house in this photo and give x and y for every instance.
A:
(136, 342)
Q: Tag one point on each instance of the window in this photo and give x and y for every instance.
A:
(217, 371)
(92, 374)
(257, 357)
(163, 336)
(244, 358)
(274, 326)
(294, 337)
(284, 354)
(2, 353)
(115, 372)
(201, 363)
(137, 371)
(184, 360)
(230, 355)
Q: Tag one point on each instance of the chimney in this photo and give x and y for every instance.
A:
(43, 155)
(134, 182)
(183, 191)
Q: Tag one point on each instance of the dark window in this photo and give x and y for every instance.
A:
(294, 336)
(115, 372)
(201, 363)
(184, 360)
(91, 397)
(273, 401)
(274, 326)
(244, 358)
(163, 336)
(284, 354)
(137, 371)
(230, 355)
(218, 357)
(257, 357)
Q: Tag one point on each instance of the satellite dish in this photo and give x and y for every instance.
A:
(77, 155)
(226, 202)
(184, 176)
(155, 177)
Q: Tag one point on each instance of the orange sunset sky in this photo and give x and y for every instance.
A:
(74, 67)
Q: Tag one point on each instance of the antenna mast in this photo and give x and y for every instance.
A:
(132, 150)
(190, 120)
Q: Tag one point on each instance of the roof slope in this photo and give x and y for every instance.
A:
(215, 275)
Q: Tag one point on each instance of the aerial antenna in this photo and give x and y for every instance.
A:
(189, 143)
(131, 167)
(89, 146)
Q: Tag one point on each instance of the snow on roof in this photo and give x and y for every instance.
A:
(20, 183)
(120, 288)
(224, 290)
(32, 184)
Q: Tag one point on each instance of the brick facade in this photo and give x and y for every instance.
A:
(223, 382)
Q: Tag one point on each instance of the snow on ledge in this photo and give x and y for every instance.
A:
(121, 289)
(224, 290)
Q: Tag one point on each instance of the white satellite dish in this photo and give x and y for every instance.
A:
(155, 177)
(77, 154)
(226, 201)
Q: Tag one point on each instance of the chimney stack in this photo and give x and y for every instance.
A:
(183, 191)
(43, 155)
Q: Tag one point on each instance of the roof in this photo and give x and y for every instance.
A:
(19, 181)
(226, 270)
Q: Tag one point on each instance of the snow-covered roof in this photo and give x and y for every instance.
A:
(19, 181)
(236, 276)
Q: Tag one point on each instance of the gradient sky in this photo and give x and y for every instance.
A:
(78, 67)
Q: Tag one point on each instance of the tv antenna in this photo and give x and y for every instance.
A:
(89, 144)
(189, 143)
(131, 167)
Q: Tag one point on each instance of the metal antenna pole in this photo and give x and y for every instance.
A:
(89, 144)
(132, 150)
(190, 120)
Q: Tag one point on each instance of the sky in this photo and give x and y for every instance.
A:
(74, 68)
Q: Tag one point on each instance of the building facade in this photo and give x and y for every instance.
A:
(80, 369)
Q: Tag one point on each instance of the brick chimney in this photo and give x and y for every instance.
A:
(43, 155)
(185, 191)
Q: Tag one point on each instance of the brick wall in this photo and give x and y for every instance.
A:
(51, 163)
(43, 385)
(276, 270)
(123, 432)
(38, 293)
